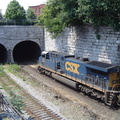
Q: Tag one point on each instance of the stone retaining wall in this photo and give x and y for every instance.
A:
(103, 45)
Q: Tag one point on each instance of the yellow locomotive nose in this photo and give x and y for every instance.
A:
(114, 81)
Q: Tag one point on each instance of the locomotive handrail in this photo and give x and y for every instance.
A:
(99, 81)
(114, 90)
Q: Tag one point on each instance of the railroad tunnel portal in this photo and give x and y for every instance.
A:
(26, 51)
(3, 54)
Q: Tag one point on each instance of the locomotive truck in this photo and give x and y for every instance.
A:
(101, 80)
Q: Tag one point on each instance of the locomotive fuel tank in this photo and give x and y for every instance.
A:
(64, 80)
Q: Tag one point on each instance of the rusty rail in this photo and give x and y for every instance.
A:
(8, 111)
(38, 110)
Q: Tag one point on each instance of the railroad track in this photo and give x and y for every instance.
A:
(38, 110)
(117, 112)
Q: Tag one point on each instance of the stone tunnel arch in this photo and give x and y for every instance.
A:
(26, 51)
(3, 54)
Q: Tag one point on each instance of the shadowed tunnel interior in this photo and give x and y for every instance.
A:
(26, 51)
(3, 54)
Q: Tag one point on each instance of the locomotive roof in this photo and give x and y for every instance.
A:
(101, 64)
(61, 53)
(97, 65)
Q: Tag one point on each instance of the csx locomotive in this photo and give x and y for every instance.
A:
(96, 78)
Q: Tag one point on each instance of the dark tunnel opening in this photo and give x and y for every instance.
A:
(26, 51)
(3, 54)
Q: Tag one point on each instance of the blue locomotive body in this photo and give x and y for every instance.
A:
(90, 76)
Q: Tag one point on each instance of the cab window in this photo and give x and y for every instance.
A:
(47, 56)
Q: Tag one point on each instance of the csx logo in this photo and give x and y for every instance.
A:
(72, 67)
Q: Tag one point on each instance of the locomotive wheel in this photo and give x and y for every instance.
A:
(114, 103)
(40, 70)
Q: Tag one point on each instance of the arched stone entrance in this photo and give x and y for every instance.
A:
(26, 51)
(3, 54)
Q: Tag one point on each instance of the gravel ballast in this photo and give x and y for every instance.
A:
(63, 100)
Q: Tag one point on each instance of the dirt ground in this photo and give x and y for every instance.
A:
(62, 99)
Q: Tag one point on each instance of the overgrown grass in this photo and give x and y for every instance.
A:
(17, 70)
(12, 89)
(16, 101)
(2, 73)
(14, 92)
(14, 68)
(10, 86)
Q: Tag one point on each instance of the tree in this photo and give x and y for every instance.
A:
(52, 17)
(70, 7)
(14, 11)
(30, 14)
(1, 15)
(100, 12)
(58, 14)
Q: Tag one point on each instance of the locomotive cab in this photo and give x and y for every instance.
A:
(53, 60)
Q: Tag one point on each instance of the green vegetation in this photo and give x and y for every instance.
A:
(16, 15)
(58, 14)
(1, 15)
(17, 22)
(11, 87)
(15, 11)
(100, 12)
(14, 68)
(30, 14)
(2, 73)
(53, 17)
(16, 101)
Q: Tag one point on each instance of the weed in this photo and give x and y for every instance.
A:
(16, 101)
(2, 73)
(14, 68)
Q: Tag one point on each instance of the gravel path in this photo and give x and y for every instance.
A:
(65, 101)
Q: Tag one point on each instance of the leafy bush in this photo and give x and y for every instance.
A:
(16, 101)
(53, 17)
(18, 22)
(14, 11)
(58, 14)
(100, 12)
(2, 22)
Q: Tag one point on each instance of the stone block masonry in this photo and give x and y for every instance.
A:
(10, 36)
(103, 45)
(85, 42)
